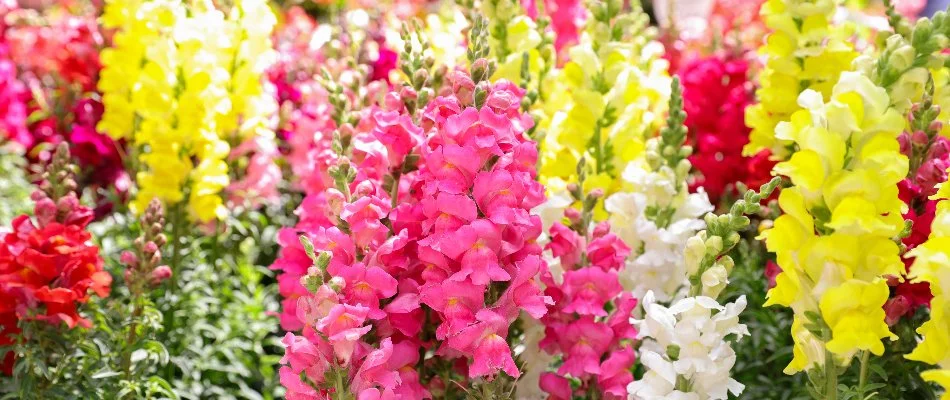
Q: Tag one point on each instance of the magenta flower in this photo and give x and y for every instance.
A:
(524, 293)
(448, 212)
(584, 342)
(608, 252)
(587, 290)
(403, 360)
(374, 371)
(556, 386)
(344, 327)
(453, 167)
(475, 246)
(566, 245)
(397, 132)
(499, 196)
(615, 374)
(363, 216)
(486, 340)
(302, 355)
(366, 286)
(457, 302)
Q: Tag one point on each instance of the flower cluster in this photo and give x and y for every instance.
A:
(717, 128)
(604, 103)
(804, 51)
(841, 212)
(655, 214)
(12, 100)
(48, 266)
(589, 324)
(426, 230)
(182, 84)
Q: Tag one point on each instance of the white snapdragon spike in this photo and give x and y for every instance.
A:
(685, 349)
(658, 251)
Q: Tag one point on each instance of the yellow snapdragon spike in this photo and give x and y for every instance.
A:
(803, 52)
(843, 202)
(183, 83)
(614, 91)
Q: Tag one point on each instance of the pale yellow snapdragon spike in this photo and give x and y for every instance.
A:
(179, 83)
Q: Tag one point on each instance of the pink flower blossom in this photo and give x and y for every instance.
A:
(364, 218)
(344, 327)
(608, 252)
(566, 245)
(397, 132)
(366, 286)
(486, 339)
(584, 342)
(457, 302)
(587, 290)
(475, 246)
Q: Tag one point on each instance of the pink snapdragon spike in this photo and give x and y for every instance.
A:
(424, 248)
(589, 325)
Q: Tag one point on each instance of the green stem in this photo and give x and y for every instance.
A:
(131, 339)
(863, 378)
(831, 377)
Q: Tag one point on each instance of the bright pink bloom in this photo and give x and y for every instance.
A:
(524, 294)
(566, 245)
(615, 374)
(366, 286)
(457, 302)
(607, 252)
(344, 327)
(453, 167)
(587, 290)
(584, 342)
(303, 356)
(499, 195)
(556, 386)
(375, 371)
(448, 212)
(297, 389)
(403, 360)
(476, 247)
(397, 132)
(486, 339)
(364, 217)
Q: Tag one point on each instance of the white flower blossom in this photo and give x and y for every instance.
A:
(685, 349)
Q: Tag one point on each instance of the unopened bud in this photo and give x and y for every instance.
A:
(150, 247)
(572, 215)
(935, 126)
(160, 274)
(129, 258)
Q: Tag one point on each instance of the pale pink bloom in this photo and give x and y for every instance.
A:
(259, 184)
(587, 290)
(312, 307)
(566, 245)
(583, 343)
(485, 340)
(366, 286)
(475, 246)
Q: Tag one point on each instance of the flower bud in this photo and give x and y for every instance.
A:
(150, 247)
(464, 88)
(129, 258)
(572, 215)
(160, 274)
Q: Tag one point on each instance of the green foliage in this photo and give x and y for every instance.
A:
(761, 357)
(15, 188)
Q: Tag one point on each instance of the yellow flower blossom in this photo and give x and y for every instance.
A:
(181, 84)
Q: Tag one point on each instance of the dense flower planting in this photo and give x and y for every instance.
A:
(479, 199)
